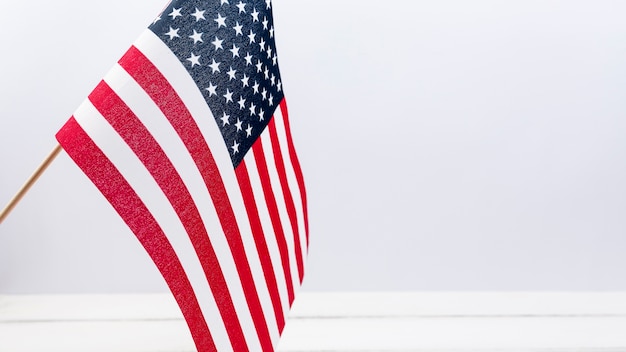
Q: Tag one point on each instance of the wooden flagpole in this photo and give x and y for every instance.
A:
(30, 182)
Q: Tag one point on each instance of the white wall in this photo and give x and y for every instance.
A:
(448, 145)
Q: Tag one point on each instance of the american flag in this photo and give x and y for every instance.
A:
(188, 138)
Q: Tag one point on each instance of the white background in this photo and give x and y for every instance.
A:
(446, 145)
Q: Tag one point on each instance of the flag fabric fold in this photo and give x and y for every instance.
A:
(188, 138)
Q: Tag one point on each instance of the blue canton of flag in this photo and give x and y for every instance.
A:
(188, 138)
(230, 52)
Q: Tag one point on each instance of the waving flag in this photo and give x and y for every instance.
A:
(188, 138)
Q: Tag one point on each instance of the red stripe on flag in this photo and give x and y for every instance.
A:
(164, 95)
(147, 149)
(272, 207)
(259, 239)
(296, 167)
(133, 211)
(291, 208)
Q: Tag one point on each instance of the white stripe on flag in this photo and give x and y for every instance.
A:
(268, 230)
(282, 208)
(292, 180)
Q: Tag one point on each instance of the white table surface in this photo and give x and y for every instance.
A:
(393, 321)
